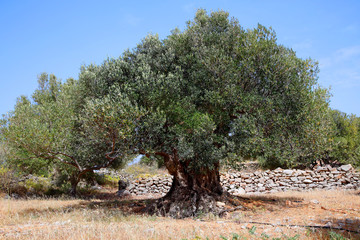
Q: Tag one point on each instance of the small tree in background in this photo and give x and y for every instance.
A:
(346, 137)
(47, 132)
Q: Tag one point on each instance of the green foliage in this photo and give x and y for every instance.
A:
(152, 161)
(252, 230)
(2, 153)
(346, 138)
(10, 182)
(60, 130)
(39, 186)
(215, 89)
(107, 128)
(107, 180)
(6, 179)
(236, 236)
(142, 171)
(35, 131)
(336, 236)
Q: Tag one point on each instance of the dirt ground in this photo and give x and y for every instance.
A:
(289, 215)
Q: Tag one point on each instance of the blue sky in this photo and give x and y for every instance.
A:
(59, 36)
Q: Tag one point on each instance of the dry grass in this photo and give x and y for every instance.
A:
(114, 219)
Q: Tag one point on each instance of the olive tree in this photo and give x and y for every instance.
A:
(211, 90)
(50, 130)
(346, 137)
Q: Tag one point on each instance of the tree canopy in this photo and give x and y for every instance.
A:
(213, 90)
(51, 131)
(346, 138)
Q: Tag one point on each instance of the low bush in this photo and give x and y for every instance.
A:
(9, 182)
(38, 185)
(140, 170)
(107, 180)
(6, 177)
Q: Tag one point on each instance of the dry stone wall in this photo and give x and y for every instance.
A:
(325, 177)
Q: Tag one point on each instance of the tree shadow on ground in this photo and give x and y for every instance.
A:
(323, 228)
(128, 205)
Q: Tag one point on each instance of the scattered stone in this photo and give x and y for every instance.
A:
(314, 201)
(248, 180)
(95, 187)
(294, 179)
(283, 184)
(288, 171)
(320, 169)
(328, 224)
(345, 168)
(240, 191)
(15, 196)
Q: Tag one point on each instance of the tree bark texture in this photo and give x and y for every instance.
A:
(192, 193)
(74, 182)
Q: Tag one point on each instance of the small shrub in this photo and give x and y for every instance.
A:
(111, 181)
(9, 182)
(140, 170)
(6, 178)
(108, 180)
(100, 179)
(38, 185)
(252, 230)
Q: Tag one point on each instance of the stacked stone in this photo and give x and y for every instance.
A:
(326, 178)
(257, 182)
(152, 185)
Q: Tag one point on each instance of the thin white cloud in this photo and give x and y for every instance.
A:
(347, 77)
(340, 56)
(342, 68)
(349, 52)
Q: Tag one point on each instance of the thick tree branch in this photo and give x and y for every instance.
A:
(108, 156)
(75, 162)
(66, 162)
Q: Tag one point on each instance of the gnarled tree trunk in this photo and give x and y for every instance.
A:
(192, 192)
(74, 180)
